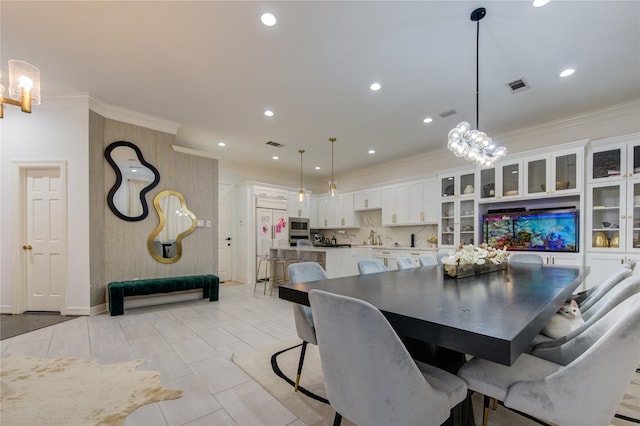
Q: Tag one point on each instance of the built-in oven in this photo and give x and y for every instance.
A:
(298, 229)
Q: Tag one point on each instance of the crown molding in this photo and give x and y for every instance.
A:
(631, 107)
(195, 152)
(133, 117)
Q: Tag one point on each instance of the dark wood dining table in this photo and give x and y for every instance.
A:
(494, 316)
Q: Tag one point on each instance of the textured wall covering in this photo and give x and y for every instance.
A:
(119, 248)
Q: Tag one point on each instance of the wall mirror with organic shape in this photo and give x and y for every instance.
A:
(134, 178)
(176, 221)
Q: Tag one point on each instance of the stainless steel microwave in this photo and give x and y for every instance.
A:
(297, 224)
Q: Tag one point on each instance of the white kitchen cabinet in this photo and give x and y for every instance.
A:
(313, 212)
(564, 259)
(614, 159)
(458, 222)
(297, 209)
(410, 203)
(368, 199)
(336, 212)
(389, 256)
(263, 191)
(325, 219)
(343, 212)
(558, 173)
(395, 205)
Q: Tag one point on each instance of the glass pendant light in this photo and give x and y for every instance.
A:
(333, 190)
(301, 194)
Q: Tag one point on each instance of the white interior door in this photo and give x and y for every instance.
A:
(45, 274)
(224, 231)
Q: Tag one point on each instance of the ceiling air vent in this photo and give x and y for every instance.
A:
(275, 144)
(517, 86)
(448, 113)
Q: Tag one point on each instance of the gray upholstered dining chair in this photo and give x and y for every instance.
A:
(605, 358)
(368, 373)
(371, 266)
(547, 348)
(299, 273)
(533, 258)
(406, 263)
(427, 260)
(596, 292)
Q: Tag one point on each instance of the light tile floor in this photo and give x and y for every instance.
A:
(190, 344)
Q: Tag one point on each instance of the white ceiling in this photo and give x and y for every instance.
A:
(214, 68)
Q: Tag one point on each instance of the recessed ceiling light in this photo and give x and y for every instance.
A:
(268, 19)
(268, 113)
(427, 120)
(372, 151)
(222, 143)
(275, 157)
(540, 3)
(375, 87)
(317, 167)
(567, 72)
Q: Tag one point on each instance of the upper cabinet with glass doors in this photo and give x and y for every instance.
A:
(614, 159)
(554, 174)
(502, 182)
(458, 184)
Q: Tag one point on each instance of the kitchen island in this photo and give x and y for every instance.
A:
(337, 261)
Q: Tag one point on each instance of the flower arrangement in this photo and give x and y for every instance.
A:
(472, 260)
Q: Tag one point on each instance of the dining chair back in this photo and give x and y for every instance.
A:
(369, 375)
(406, 263)
(525, 258)
(427, 260)
(553, 349)
(603, 287)
(371, 266)
(299, 273)
(566, 394)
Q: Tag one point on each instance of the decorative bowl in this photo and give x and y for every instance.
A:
(606, 224)
(562, 184)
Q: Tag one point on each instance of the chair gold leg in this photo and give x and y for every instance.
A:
(495, 404)
(485, 412)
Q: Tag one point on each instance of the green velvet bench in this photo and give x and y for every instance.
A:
(117, 291)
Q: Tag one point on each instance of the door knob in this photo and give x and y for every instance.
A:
(27, 247)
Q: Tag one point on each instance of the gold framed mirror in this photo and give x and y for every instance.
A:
(176, 221)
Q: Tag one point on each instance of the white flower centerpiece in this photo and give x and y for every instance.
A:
(470, 260)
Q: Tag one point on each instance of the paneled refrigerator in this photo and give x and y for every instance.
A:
(272, 229)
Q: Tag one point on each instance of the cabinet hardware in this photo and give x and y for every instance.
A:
(342, 221)
(393, 218)
(421, 216)
(27, 247)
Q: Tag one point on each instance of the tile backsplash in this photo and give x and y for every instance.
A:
(372, 220)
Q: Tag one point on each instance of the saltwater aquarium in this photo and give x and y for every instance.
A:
(547, 230)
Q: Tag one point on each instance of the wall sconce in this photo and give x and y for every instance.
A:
(24, 86)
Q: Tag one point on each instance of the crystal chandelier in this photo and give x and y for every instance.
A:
(475, 145)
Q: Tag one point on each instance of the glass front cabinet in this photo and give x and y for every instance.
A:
(615, 158)
(613, 224)
(553, 174)
(457, 223)
(502, 182)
